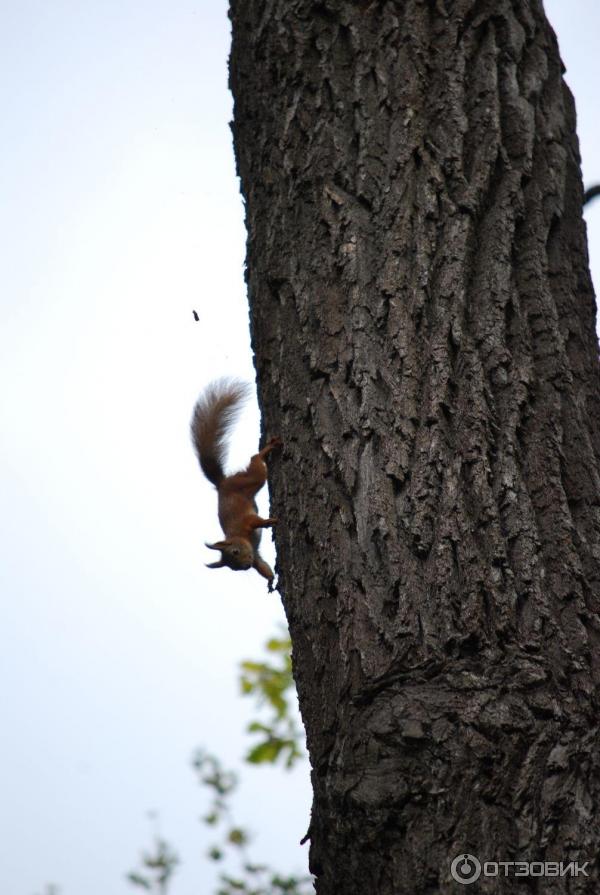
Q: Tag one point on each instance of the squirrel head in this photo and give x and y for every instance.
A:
(236, 554)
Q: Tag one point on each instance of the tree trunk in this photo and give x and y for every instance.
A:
(423, 321)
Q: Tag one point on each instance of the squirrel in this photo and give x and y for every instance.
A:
(214, 416)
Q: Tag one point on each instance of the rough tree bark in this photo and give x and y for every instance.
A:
(423, 321)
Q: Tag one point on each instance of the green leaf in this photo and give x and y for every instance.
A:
(277, 645)
(257, 727)
(255, 868)
(256, 667)
(271, 684)
(237, 884)
(137, 880)
(265, 753)
(237, 836)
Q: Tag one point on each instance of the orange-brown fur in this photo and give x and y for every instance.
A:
(214, 416)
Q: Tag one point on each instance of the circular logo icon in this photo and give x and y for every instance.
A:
(465, 869)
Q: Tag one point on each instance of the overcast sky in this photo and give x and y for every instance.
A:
(120, 214)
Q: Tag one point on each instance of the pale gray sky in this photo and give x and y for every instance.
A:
(120, 214)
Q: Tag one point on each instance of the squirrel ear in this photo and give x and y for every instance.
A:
(218, 545)
(215, 565)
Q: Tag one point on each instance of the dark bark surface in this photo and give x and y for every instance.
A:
(423, 321)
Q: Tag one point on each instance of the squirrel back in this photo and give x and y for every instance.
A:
(214, 416)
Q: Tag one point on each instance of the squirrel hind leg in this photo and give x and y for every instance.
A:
(271, 444)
